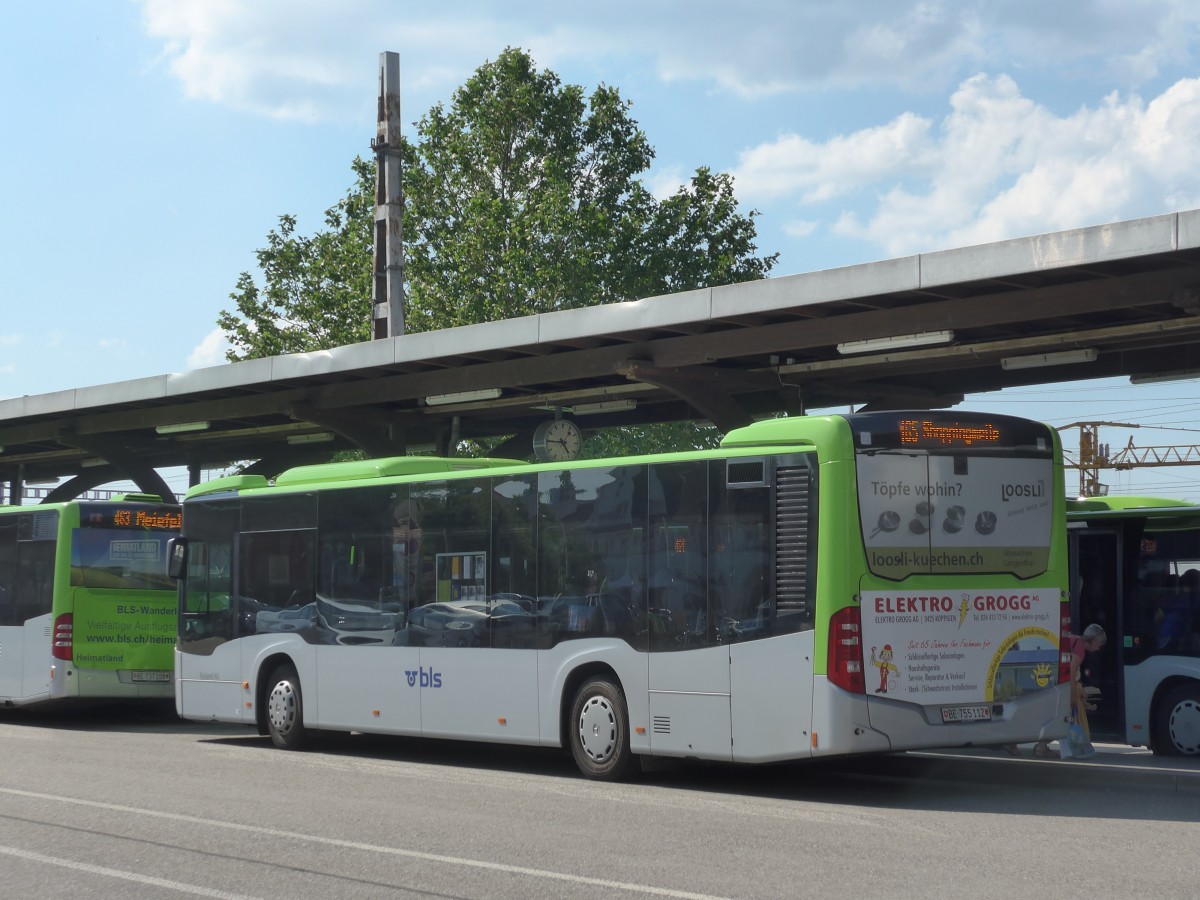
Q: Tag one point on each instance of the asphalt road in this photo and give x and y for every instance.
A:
(127, 804)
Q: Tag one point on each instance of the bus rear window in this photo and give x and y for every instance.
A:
(957, 512)
(120, 559)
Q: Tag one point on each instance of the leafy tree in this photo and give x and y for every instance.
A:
(522, 197)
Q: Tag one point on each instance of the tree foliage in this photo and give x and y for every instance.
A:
(524, 196)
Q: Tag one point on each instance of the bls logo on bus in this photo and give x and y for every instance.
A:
(427, 677)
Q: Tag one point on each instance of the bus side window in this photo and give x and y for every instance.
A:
(678, 597)
(278, 569)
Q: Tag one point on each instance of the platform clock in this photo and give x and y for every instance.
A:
(557, 440)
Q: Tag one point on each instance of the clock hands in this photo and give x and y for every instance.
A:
(557, 440)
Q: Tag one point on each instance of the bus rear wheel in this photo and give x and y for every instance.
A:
(1177, 723)
(599, 732)
(285, 710)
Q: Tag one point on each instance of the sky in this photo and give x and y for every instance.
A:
(150, 146)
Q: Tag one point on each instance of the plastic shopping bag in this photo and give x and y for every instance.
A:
(1076, 744)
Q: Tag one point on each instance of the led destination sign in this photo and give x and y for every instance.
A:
(925, 433)
(142, 518)
(972, 432)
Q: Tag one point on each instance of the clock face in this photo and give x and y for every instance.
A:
(557, 440)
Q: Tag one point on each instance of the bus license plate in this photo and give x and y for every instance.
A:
(966, 713)
(150, 676)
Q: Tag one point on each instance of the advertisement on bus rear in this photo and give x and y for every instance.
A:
(955, 514)
(122, 601)
(960, 647)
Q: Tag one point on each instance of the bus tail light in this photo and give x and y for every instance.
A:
(845, 650)
(1064, 648)
(64, 637)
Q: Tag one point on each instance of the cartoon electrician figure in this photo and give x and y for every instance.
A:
(886, 667)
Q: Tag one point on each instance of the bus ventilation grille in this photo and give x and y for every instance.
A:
(662, 724)
(791, 539)
(746, 473)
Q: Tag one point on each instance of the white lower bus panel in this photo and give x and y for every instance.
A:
(29, 672)
(122, 684)
(755, 702)
(1037, 715)
(1142, 682)
(25, 662)
(208, 687)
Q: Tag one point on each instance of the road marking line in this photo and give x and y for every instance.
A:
(373, 848)
(118, 873)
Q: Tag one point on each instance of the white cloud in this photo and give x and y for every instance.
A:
(792, 164)
(210, 351)
(308, 59)
(664, 182)
(250, 56)
(799, 228)
(994, 164)
(11, 340)
(997, 166)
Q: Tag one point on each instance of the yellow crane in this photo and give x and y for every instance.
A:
(1094, 456)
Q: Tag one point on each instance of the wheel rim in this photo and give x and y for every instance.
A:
(598, 731)
(1184, 727)
(281, 707)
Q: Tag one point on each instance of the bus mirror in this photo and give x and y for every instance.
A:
(176, 557)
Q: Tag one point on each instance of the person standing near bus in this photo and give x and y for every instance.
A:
(1092, 639)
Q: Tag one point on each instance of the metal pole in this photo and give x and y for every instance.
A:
(387, 287)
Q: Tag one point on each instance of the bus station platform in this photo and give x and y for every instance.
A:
(1114, 767)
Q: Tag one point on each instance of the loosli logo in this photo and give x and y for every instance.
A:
(428, 677)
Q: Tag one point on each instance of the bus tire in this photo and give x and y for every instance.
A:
(1177, 722)
(285, 710)
(599, 731)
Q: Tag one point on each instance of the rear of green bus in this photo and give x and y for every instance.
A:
(945, 581)
(93, 611)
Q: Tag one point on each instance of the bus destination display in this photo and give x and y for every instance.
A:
(133, 517)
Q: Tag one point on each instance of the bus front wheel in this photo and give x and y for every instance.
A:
(285, 710)
(599, 732)
(1177, 724)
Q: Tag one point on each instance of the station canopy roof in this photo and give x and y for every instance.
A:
(917, 332)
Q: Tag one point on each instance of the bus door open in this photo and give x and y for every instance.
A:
(1097, 592)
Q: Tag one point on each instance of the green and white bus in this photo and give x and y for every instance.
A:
(816, 586)
(86, 606)
(1135, 566)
